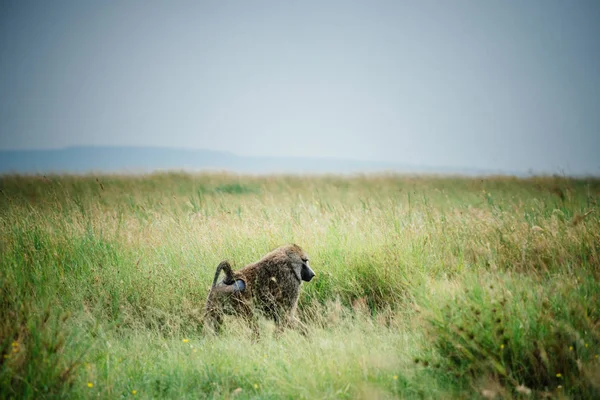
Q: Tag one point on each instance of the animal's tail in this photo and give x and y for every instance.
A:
(223, 266)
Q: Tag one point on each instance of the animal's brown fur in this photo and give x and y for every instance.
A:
(272, 285)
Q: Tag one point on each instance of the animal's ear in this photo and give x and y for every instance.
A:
(297, 271)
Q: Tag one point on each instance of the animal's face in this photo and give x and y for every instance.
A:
(301, 268)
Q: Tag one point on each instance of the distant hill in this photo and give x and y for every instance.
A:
(147, 159)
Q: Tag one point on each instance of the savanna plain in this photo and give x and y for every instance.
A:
(425, 287)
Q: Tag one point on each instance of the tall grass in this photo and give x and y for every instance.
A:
(426, 287)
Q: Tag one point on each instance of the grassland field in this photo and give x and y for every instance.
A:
(426, 287)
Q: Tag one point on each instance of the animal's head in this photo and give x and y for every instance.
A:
(299, 261)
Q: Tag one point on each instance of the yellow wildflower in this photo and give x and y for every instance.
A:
(559, 375)
(90, 385)
(395, 377)
(134, 392)
(570, 348)
(501, 346)
(186, 340)
(255, 386)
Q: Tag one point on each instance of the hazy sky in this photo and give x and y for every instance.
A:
(508, 85)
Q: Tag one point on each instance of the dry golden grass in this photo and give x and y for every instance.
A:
(103, 277)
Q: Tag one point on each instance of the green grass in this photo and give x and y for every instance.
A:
(426, 287)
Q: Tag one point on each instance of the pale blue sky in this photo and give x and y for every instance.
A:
(509, 85)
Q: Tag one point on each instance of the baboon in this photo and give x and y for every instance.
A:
(270, 285)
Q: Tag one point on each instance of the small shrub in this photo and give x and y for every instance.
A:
(39, 356)
(519, 331)
(236, 188)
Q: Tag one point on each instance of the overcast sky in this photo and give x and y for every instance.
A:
(509, 85)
